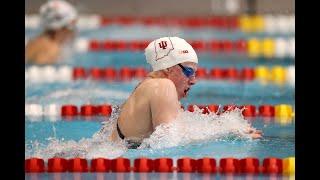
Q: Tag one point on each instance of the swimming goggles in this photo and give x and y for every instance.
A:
(187, 71)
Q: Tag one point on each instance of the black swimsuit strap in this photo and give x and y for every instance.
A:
(130, 144)
(119, 132)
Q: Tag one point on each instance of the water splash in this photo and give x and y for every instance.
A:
(188, 128)
(195, 127)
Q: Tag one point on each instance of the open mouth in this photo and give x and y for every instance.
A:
(186, 91)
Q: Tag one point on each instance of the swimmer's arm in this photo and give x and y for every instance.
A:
(164, 103)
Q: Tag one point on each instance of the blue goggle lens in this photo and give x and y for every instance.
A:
(187, 71)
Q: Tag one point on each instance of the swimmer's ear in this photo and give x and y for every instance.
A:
(166, 71)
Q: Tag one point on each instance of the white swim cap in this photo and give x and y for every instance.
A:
(166, 52)
(56, 14)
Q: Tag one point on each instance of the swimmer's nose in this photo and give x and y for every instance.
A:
(192, 80)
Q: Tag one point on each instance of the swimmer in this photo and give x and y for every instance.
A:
(156, 99)
(58, 20)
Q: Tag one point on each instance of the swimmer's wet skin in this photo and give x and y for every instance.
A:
(156, 100)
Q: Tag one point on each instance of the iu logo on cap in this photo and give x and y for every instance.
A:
(163, 48)
(163, 44)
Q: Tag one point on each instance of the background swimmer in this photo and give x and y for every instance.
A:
(58, 20)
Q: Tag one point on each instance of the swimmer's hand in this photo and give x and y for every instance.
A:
(255, 134)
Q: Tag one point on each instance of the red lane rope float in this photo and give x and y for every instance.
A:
(215, 46)
(249, 110)
(227, 46)
(127, 73)
(163, 165)
(223, 46)
(201, 73)
(217, 73)
(88, 110)
(232, 73)
(143, 165)
(57, 165)
(220, 22)
(241, 46)
(186, 165)
(109, 73)
(120, 165)
(266, 110)
(79, 73)
(247, 74)
(198, 45)
(229, 165)
(34, 165)
(206, 165)
(104, 110)
(95, 45)
(77, 165)
(96, 73)
(140, 73)
(100, 165)
(248, 165)
(272, 165)
(71, 110)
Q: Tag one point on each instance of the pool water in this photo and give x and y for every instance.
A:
(278, 139)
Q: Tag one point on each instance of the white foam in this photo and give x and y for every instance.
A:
(193, 127)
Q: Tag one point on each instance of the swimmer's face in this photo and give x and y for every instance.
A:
(179, 78)
(68, 32)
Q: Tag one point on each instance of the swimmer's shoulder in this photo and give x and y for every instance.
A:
(41, 50)
(153, 85)
(42, 42)
(158, 82)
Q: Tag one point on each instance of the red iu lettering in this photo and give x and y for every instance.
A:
(163, 44)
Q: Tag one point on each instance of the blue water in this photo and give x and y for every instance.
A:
(278, 140)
